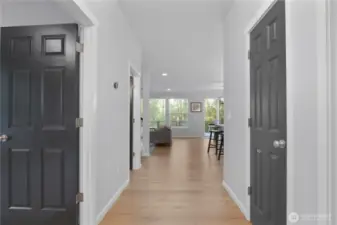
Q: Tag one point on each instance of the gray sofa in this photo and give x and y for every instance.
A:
(161, 136)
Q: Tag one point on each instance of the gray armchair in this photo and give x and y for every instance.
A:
(161, 136)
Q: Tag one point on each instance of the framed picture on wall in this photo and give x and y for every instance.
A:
(196, 107)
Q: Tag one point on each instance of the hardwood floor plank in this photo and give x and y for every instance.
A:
(178, 185)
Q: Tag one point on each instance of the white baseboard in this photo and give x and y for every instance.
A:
(112, 201)
(145, 154)
(137, 167)
(233, 196)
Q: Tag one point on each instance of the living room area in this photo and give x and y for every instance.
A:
(182, 115)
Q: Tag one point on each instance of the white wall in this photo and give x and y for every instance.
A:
(117, 47)
(302, 107)
(196, 121)
(1, 14)
(36, 13)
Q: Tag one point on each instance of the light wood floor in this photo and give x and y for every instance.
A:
(177, 186)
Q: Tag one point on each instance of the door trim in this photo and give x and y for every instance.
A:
(325, 26)
(88, 101)
(326, 102)
(133, 72)
(331, 113)
(131, 121)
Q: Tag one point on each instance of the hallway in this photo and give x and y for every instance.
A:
(180, 185)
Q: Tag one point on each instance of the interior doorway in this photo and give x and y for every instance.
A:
(39, 133)
(268, 118)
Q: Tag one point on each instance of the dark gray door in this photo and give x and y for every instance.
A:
(40, 102)
(268, 112)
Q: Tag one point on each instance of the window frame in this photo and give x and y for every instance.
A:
(165, 112)
(187, 113)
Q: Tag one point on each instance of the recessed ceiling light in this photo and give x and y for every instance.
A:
(168, 89)
(164, 74)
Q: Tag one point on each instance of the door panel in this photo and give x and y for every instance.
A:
(53, 179)
(52, 98)
(40, 103)
(20, 98)
(19, 173)
(268, 113)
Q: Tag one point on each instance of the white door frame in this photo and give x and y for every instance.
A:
(324, 184)
(88, 138)
(88, 25)
(331, 10)
(136, 115)
(325, 112)
(88, 77)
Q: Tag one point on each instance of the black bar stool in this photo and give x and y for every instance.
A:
(213, 136)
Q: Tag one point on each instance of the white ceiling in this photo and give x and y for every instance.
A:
(182, 38)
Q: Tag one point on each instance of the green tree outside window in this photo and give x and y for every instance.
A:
(157, 112)
(178, 112)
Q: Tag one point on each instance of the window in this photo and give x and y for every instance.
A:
(157, 113)
(178, 112)
(210, 112)
(222, 110)
(214, 111)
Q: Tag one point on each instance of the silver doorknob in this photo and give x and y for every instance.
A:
(280, 144)
(3, 138)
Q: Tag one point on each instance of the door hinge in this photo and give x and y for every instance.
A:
(133, 120)
(250, 122)
(79, 47)
(249, 54)
(79, 198)
(133, 154)
(79, 122)
(250, 191)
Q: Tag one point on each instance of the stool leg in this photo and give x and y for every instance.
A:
(221, 147)
(216, 143)
(209, 142)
